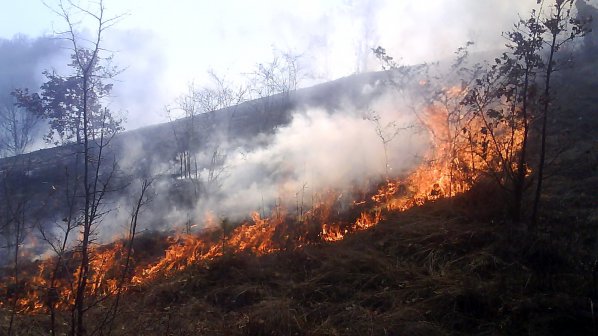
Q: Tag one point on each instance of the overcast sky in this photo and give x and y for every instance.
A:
(166, 44)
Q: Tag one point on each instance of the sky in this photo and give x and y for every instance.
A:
(165, 45)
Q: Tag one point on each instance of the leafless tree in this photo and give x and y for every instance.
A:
(143, 198)
(560, 28)
(60, 239)
(272, 83)
(17, 128)
(280, 75)
(95, 136)
(13, 227)
(200, 130)
(386, 132)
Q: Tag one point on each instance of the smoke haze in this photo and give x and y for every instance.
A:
(23, 59)
(320, 150)
(164, 47)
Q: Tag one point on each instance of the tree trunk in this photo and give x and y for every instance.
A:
(520, 177)
(84, 266)
(549, 71)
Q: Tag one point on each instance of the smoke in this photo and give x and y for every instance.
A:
(139, 94)
(163, 48)
(337, 36)
(22, 61)
(320, 150)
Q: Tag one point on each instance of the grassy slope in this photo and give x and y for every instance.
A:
(439, 269)
(428, 271)
(431, 270)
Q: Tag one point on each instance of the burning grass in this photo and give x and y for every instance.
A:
(362, 289)
(415, 273)
(48, 285)
(384, 267)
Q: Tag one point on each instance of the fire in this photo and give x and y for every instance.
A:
(331, 233)
(450, 168)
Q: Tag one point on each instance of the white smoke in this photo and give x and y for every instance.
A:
(319, 150)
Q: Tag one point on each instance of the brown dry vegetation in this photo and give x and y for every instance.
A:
(428, 271)
(453, 266)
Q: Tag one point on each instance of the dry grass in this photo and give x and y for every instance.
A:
(428, 271)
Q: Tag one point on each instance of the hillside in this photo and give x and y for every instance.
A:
(423, 272)
(397, 260)
(427, 271)
(157, 149)
(240, 122)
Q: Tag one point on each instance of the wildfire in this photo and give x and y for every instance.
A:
(448, 169)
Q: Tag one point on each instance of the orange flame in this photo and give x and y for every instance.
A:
(450, 168)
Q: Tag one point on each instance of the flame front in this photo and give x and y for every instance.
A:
(451, 167)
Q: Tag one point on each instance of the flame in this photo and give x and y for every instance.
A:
(451, 167)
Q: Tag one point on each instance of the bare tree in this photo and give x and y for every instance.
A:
(17, 128)
(386, 132)
(60, 240)
(185, 132)
(561, 28)
(199, 134)
(94, 128)
(492, 113)
(271, 85)
(14, 210)
(199, 129)
(435, 102)
(281, 75)
(143, 198)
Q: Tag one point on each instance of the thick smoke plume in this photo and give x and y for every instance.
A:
(320, 150)
(23, 59)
